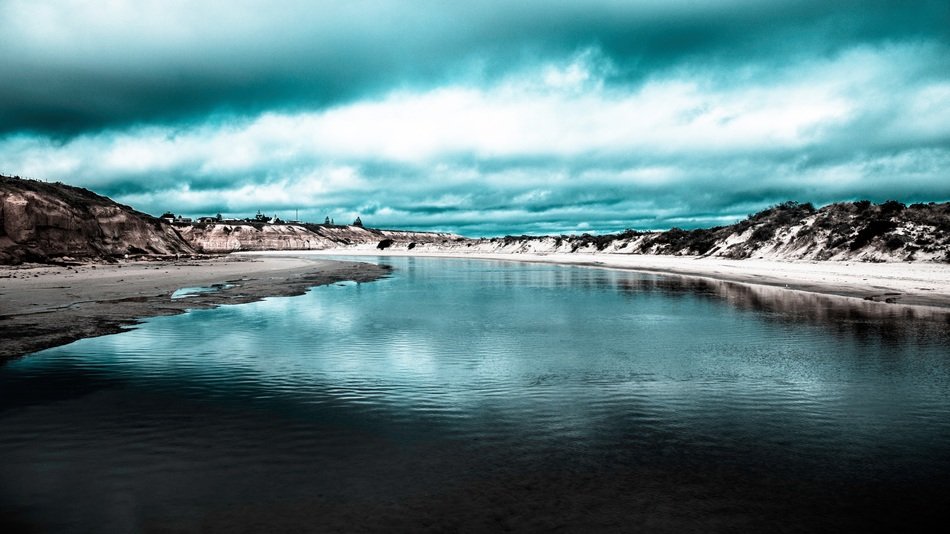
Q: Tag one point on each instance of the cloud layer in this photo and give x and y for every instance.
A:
(501, 118)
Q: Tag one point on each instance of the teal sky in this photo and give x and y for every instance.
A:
(483, 118)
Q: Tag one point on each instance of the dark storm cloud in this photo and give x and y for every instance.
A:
(485, 118)
(75, 66)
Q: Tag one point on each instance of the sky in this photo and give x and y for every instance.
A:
(483, 118)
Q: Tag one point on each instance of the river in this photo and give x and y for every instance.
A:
(475, 395)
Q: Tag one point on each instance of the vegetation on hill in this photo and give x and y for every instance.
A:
(890, 231)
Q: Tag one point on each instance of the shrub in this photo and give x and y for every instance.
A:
(762, 233)
(805, 231)
(703, 244)
(384, 244)
(875, 228)
(891, 207)
(894, 243)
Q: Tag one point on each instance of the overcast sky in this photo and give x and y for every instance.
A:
(485, 118)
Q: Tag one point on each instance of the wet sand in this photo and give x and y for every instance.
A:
(45, 306)
(917, 284)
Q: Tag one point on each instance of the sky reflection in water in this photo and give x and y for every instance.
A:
(476, 394)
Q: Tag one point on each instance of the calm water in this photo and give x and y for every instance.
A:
(475, 395)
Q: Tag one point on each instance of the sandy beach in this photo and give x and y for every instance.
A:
(43, 306)
(916, 284)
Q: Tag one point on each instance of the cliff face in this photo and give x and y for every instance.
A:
(46, 222)
(220, 237)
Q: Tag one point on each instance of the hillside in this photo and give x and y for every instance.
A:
(44, 222)
(853, 231)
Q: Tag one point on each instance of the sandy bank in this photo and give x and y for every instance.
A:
(918, 284)
(45, 306)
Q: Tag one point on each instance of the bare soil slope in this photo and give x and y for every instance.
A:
(48, 222)
(222, 237)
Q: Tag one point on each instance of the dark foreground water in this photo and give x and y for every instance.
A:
(472, 395)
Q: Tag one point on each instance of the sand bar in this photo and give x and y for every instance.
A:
(916, 284)
(44, 306)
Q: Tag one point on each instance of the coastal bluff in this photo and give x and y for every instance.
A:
(48, 222)
(223, 237)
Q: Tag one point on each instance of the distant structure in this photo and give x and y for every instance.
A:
(259, 218)
(358, 222)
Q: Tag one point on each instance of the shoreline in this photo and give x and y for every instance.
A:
(923, 285)
(43, 306)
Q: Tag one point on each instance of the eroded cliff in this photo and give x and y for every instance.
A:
(42, 222)
(222, 237)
